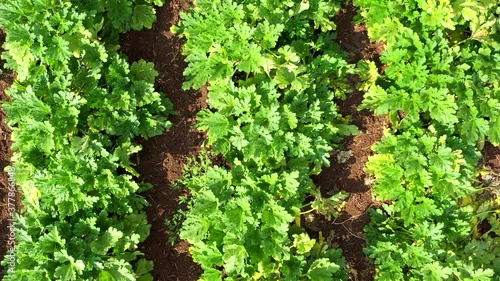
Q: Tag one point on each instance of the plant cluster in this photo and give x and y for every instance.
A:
(77, 105)
(441, 91)
(273, 70)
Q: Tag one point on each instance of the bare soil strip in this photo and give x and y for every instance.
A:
(162, 159)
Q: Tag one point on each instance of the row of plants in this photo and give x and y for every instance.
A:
(273, 70)
(441, 92)
(76, 107)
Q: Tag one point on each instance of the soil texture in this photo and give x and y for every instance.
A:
(161, 162)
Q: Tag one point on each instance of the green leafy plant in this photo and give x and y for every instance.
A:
(175, 222)
(273, 70)
(77, 105)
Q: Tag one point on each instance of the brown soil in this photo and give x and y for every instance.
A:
(354, 38)
(491, 163)
(346, 231)
(6, 79)
(492, 156)
(162, 159)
